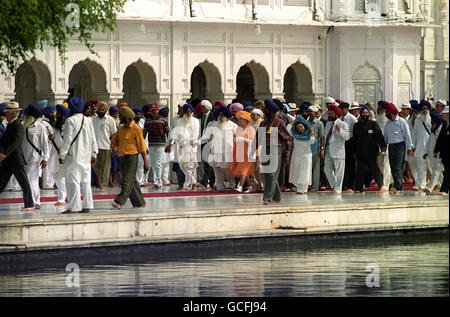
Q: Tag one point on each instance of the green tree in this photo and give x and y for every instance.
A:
(28, 25)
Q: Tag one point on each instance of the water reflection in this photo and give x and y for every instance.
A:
(408, 266)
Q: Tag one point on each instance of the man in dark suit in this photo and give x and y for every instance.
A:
(441, 148)
(367, 143)
(207, 172)
(12, 157)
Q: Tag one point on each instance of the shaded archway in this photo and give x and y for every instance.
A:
(87, 80)
(206, 82)
(298, 84)
(33, 83)
(139, 85)
(252, 82)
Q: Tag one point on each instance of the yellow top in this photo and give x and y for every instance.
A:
(130, 140)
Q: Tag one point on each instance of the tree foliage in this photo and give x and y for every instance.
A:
(28, 25)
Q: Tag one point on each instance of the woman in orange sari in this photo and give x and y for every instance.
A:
(243, 165)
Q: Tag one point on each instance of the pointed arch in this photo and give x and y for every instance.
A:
(139, 84)
(252, 82)
(298, 83)
(206, 82)
(366, 82)
(404, 84)
(87, 79)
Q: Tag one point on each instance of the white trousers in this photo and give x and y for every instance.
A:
(190, 174)
(33, 171)
(48, 173)
(413, 167)
(437, 176)
(165, 169)
(334, 170)
(13, 184)
(421, 172)
(385, 168)
(140, 175)
(302, 188)
(219, 176)
(78, 179)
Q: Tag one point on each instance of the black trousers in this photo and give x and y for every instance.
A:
(19, 172)
(180, 175)
(208, 175)
(362, 163)
(349, 173)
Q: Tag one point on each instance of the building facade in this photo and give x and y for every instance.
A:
(170, 51)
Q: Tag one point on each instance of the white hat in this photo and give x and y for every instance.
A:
(258, 112)
(442, 102)
(355, 106)
(292, 105)
(355, 103)
(329, 100)
(207, 104)
(12, 106)
(445, 110)
(313, 108)
(406, 105)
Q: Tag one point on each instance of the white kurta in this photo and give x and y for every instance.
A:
(77, 161)
(301, 163)
(435, 164)
(420, 140)
(60, 173)
(38, 136)
(48, 174)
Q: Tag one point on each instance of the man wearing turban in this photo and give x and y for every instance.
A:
(131, 143)
(383, 158)
(48, 174)
(78, 151)
(434, 163)
(205, 171)
(398, 138)
(35, 150)
(186, 133)
(219, 148)
(62, 113)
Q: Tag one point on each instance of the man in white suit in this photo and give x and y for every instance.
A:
(336, 133)
(420, 135)
(77, 153)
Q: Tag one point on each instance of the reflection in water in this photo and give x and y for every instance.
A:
(408, 266)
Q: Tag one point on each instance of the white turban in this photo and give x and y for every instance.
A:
(329, 100)
(258, 112)
(207, 104)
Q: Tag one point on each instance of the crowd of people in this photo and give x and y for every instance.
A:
(265, 146)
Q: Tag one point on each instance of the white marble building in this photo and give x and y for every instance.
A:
(167, 51)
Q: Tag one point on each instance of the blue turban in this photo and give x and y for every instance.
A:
(33, 111)
(164, 112)
(65, 112)
(364, 107)
(226, 112)
(145, 109)
(271, 106)
(187, 107)
(3, 108)
(76, 105)
(247, 104)
(425, 103)
(381, 103)
(113, 110)
(415, 105)
(49, 109)
(344, 105)
(42, 104)
(137, 110)
(436, 117)
(87, 105)
(305, 106)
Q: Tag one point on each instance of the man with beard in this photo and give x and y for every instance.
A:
(48, 174)
(337, 133)
(104, 128)
(319, 150)
(219, 136)
(440, 105)
(78, 151)
(170, 142)
(35, 150)
(367, 144)
(62, 113)
(350, 167)
(441, 150)
(398, 138)
(12, 157)
(139, 120)
(131, 143)
(186, 132)
(422, 130)
(383, 158)
(280, 143)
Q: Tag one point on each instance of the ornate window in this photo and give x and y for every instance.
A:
(367, 6)
(366, 82)
(404, 85)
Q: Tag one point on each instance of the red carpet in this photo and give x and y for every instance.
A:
(408, 186)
